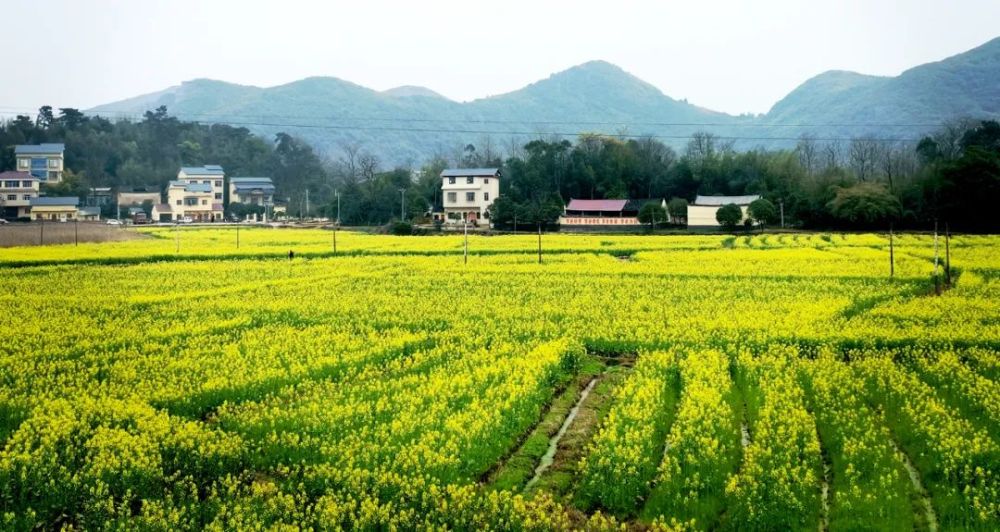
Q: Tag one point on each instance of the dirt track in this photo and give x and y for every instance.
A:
(34, 233)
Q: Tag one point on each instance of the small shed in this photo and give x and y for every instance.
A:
(702, 212)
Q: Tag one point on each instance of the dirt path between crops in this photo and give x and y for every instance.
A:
(918, 486)
(558, 477)
(549, 456)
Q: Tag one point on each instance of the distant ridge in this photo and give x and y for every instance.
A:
(411, 123)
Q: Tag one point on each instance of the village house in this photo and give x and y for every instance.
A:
(210, 174)
(193, 202)
(251, 191)
(605, 212)
(61, 208)
(42, 161)
(701, 213)
(467, 193)
(17, 189)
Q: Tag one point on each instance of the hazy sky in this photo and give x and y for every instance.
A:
(733, 56)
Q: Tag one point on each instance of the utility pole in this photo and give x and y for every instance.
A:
(947, 256)
(892, 262)
(781, 204)
(76, 231)
(337, 193)
(41, 235)
(335, 228)
(307, 202)
(402, 204)
(237, 235)
(937, 286)
(466, 225)
(539, 242)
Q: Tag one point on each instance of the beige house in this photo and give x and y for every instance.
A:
(193, 202)
(251, 191)
(701, 213)
(60, 208)
(17, 189)
(467, 193)
(42, 161)
(210, 174)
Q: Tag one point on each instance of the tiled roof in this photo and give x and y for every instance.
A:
(40, 149)
(208, 169)
(596, 205)
(718, 201)
(471, 172)
(56, 201)
(11, 174)
(250, 180)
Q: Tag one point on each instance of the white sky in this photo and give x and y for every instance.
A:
(733, 56)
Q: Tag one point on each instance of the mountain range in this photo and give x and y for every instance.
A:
(410, 124)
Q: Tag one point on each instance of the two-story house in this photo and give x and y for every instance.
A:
(188, 201)
(467, 193)
(210, 174)
(251, 191)
(43, 161)
(17, 189)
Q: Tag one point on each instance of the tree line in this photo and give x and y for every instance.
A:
(951, 175)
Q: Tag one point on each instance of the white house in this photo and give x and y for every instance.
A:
(43, 161)
(17, 189)
(467, 193)
(701, 213)
(210, 174)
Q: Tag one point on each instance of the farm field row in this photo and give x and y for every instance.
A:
(771, 381)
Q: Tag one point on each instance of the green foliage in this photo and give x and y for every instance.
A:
(762, 212)
(729, 216)
(864, 205)
(678, 208)
(652, 213)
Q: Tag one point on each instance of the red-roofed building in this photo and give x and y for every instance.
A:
(604, 212)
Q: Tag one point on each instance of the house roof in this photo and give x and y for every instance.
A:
(208, 169)
(39, 149)
(470, 172)
(55, 201)
(603, 205)
(11, 174)
(718, 201)
(90, 211)
(250, 180)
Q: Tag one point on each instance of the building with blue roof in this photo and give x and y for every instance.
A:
(251, 191)
(209, 174)
(60, 208)
(189, 200)
(43, 161)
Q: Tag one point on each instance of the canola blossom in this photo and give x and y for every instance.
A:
(775, 381)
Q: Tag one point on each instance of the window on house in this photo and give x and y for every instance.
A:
(470, 196)
(218, 195)
(486, 181)
(470, 180)
(10, 184)
(204, 202)
(11, 197)
(218, 184)
(206, 182)
(53, 163)
(486, 196)
(451, 180)
(26, 184)
(22, 163)
(53, 175)
(38, 167)
(452, 197)
(178, 202)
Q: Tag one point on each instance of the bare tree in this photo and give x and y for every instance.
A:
(863, 154)
(897, 161)
(808, 152)
(368, 165)
(832, 154)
